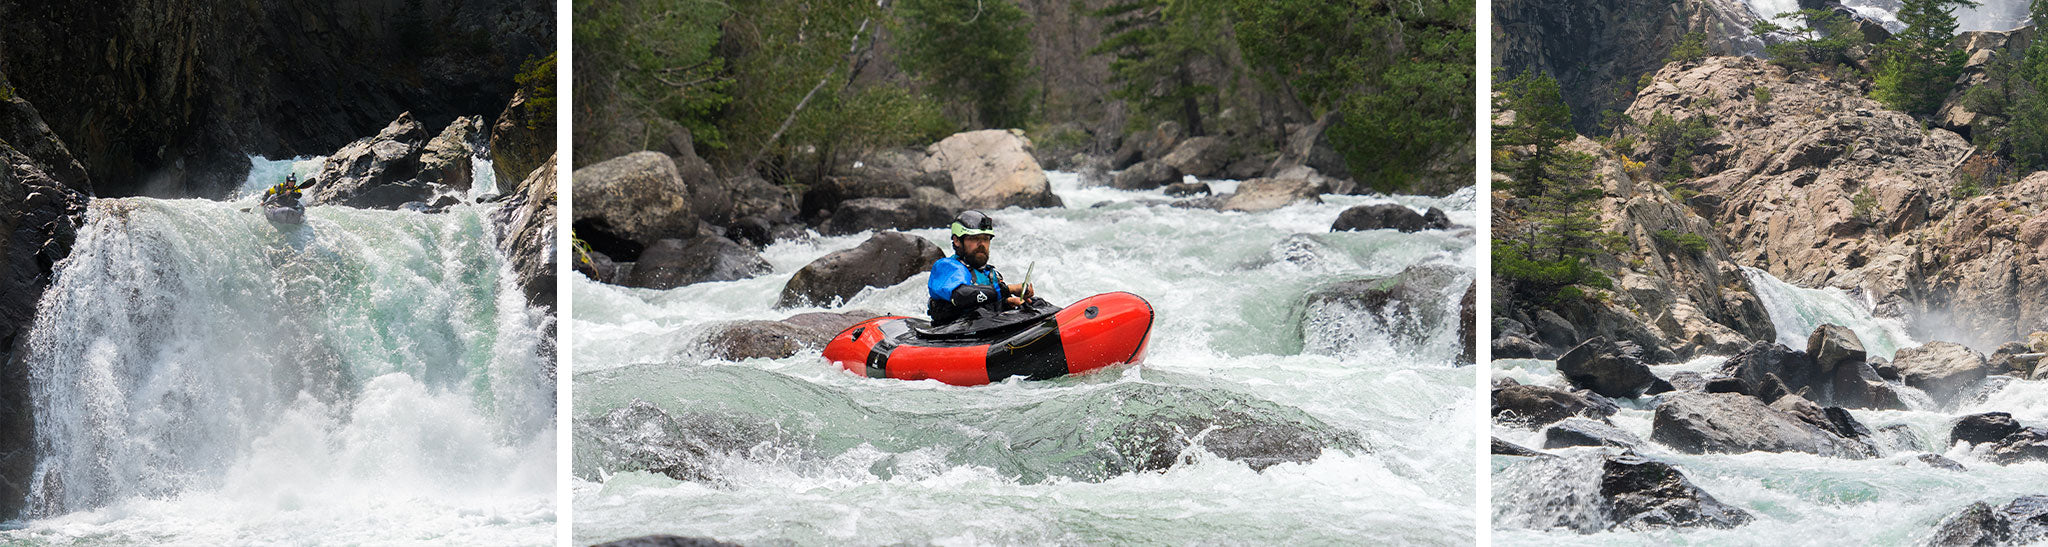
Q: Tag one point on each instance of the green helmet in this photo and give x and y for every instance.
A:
(971, 222)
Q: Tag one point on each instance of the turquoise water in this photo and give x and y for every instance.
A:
(800, 450)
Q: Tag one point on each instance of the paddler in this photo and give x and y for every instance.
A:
(965, 282)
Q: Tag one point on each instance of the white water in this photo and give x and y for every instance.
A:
(1797, 311)
(837, 458)
(1796, 499)
(1994, 15)
(264, 172)
(202, 377)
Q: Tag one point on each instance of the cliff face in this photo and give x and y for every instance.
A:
(1823, 187)
(168, 97)
(1596, 49)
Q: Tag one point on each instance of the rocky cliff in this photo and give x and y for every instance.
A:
(1596, 49)
(168, 97)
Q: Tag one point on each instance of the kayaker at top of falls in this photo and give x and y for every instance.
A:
(284, 194)
(965, 282)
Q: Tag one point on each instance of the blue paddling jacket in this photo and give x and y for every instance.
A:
(957, 289)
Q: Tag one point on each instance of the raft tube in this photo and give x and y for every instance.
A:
(285, 215)
(1098, 331)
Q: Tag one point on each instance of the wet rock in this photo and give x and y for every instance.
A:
(526, 234)
(830, 194)
(1266, 194)
(671, 263)
(1945, 370)
(1187, 189)
(1533, 406)
(43, 196)
(1413, 308)
(1203, 157)
(1938, 462)
(1390, 216)
(1983, 428)
(1832, 345)
(375, 172)
(1607, 368)
(926, 208)
(739, 340)
(1773, 370)
(1726, 423)
(1504, 448)
(643, 437)
(1648, 495)
(1553, 330)
(664, 540)
(638, 197)
(2022, 521)
(445, 160)
(522, 137)
(1577, 431)
(1146, 175)
(2029, 444)
(885, 259)
(991, 169)
(1255, 433)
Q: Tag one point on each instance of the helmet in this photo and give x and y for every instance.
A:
(971, 222)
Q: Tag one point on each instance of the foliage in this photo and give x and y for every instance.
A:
(1762, 95)
(1165, 57)
(976, 50)
(6, 93)
(1819, 38)
(1677, 140)
(1690, 242)
(646, 60)
(1547, 257)
(537, 77)
(1863, 205)
(1917, 68)
(2014, 101)
(1690, 48)
(1400, 73)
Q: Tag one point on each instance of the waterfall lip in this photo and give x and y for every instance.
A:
(1796, 311)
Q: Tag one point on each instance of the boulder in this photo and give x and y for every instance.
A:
(446, 159)
(522, 137)
(1309, 146)
(1158, 142)
(885, 259)
(1390, 216)
(2022, 521)
(526, 234)
(1832, 345)
(991, 169)
(376, 172)
(1607, 368)
(1504, 448)
(2029, 444)
(1187, 189)
(1937, 461)
(637, 197)
(1773, 370)
(1727, 423)
(1266, 194)
(829, 194)
(1415, 308)
(1945, 370)
(1642, 494)
(739, 340)
(665, 540)
(1146, 175)
(671, 263)
(1576, 431)
(1203, 157)
(926, 208)
(1988, 427)
(1533, 406)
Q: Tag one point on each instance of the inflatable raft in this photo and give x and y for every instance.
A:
(1038, 341)
(285, 215)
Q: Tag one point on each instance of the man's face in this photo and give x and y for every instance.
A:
(973, 249)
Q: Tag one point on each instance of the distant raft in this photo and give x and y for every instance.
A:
(278, 214)
(1038, 342)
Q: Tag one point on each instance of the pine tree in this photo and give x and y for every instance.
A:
(1161, 51)
(1548, 257)
(976, 50)
(1918, 68)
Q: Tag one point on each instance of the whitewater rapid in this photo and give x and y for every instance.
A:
(201, 376)
(813, 454)
(1992, 15)
(1796, 499)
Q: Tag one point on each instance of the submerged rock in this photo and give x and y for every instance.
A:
(665, 540)
(2022, 521)
(1390, 216)
(1609, 369)
(644, 437)
(1410, 311)
(885, 259)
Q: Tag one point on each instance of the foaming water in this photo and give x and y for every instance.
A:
(800, 450)
(265, 172)
(1993, 15)
(1796, 499)
(1798, 311)
(203, 377)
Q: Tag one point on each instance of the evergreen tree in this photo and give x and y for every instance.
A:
(1918, 68)
(1165, 54)
(976, 50)
(1547, 257)
(1542, 122)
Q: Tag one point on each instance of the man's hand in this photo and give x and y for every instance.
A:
(1014, 301)
(1025, 291)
